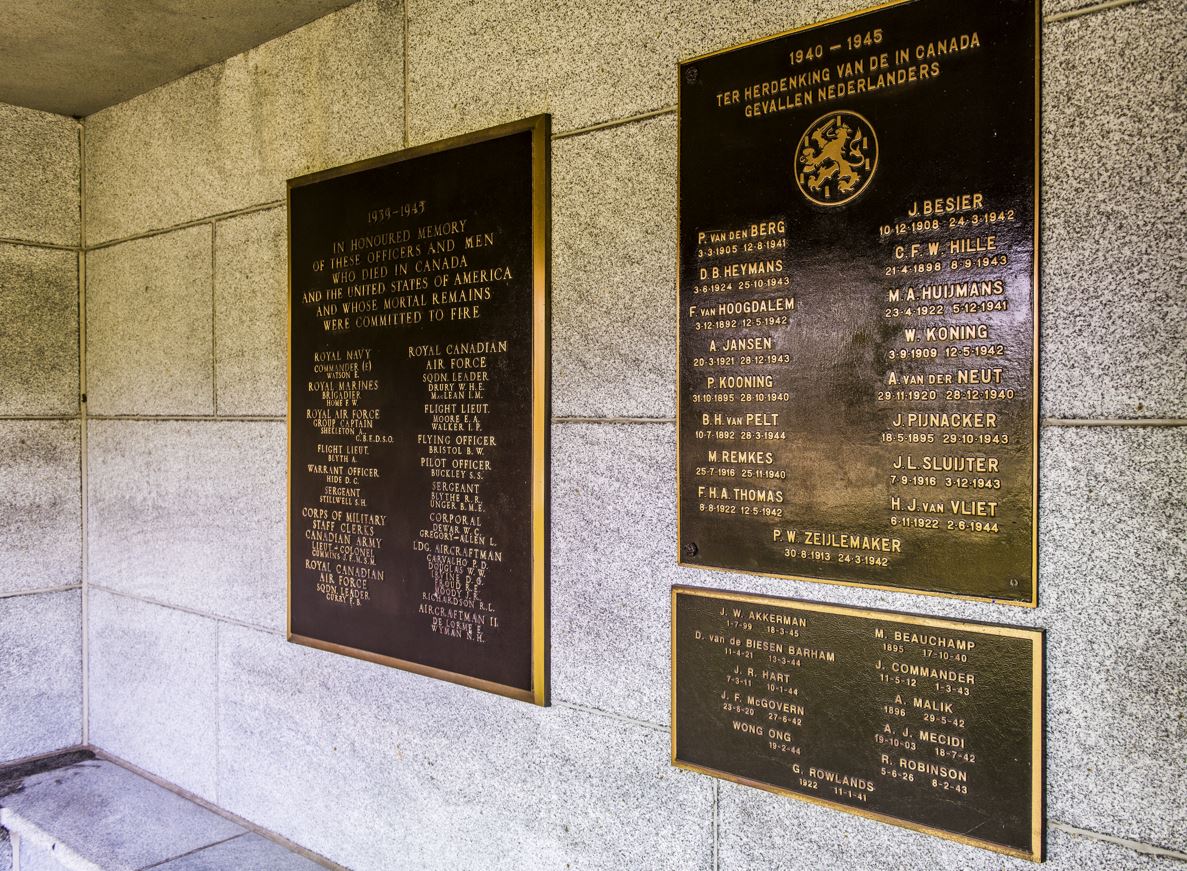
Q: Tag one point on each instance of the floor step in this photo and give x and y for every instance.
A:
(95, 815)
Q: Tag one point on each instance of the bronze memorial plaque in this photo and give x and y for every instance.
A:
(931, 724)
(419, 409)
(858, 302)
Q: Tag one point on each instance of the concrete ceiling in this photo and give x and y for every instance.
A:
(75, 57)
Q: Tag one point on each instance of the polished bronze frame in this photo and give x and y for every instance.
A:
(1034, 499)
(540, 127)
(1038, 722)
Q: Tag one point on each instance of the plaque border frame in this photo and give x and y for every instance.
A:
(1037, 636)
(540, 126)
(1033, 601)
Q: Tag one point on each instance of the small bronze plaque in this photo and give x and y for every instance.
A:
(931, 724)
(858, 302)
(419, 409)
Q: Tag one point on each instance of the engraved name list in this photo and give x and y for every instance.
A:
(417, 454)
(857, 302)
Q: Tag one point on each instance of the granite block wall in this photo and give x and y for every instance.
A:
(41, 684)
(190, 675)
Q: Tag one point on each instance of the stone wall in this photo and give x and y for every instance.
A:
(40, 438)
(190, 675)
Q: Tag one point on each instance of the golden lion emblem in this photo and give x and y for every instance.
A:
(836, 158)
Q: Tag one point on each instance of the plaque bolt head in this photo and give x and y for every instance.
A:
(690, 75)
(691, 549)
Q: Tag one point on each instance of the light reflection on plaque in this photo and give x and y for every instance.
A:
(858, 302)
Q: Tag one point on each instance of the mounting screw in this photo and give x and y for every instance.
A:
(691, 549)
(690, 75)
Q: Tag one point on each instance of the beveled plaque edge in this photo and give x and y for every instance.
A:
(1037, 637)
(1033, 601)
(540, 127)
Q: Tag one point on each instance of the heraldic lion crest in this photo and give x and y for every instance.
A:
(836, 158)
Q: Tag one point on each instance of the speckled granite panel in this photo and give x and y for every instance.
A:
(614, 272)
(1114, 243)
(40, 505)
(153, 680)
(38, 331)
(39, 166)
(149, 334)
(251, 313)
(191, 513)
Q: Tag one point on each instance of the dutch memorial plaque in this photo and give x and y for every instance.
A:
(419, 409)
(858, 302)
(927, 723)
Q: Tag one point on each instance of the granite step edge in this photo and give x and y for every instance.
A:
(17, 775)
(249, 826)
(23, 831)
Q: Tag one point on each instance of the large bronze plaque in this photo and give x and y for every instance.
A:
(930, 724)
(858, 302)
(419, 409)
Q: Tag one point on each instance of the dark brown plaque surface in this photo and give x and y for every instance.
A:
(858, 302)
(930, 724)
(419, 408)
